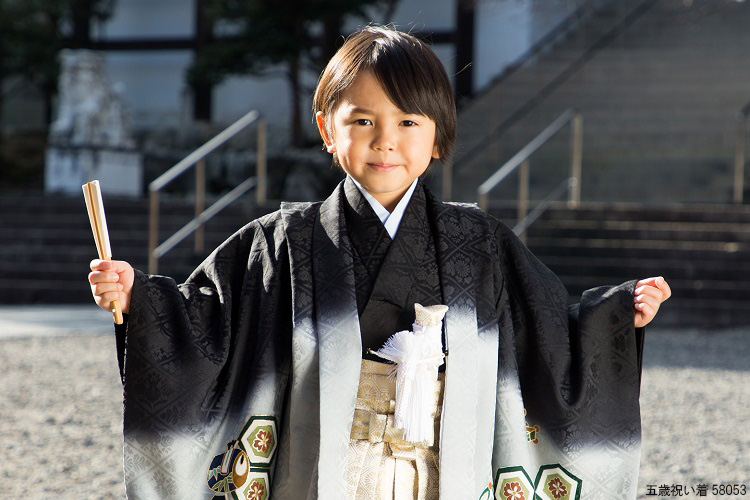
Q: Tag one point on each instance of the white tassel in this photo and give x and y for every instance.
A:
(418, 355)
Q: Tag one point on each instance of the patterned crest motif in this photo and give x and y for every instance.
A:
(259, 439)
(257, 487)
(512, 483)
(243, 471)
(553, 482)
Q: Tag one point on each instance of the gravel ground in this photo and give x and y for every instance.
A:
(60, 414)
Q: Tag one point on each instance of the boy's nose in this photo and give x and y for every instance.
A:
(385, 140)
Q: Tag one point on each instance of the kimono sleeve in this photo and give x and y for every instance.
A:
(577, 363)
(193, 358)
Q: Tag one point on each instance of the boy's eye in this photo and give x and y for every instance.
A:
(408, 123)
(363, 121)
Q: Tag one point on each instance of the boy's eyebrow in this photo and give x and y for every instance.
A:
(361, 111)
(364, 111)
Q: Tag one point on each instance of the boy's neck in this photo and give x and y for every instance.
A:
(390, 218)
(389, 200)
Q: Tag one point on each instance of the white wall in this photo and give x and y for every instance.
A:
(502, 34)
(150, 18)
(155, 85)
(418, 15)
(506, 29)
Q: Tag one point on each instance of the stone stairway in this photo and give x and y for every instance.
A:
(704, 251)
(658, 101)
(47, 243)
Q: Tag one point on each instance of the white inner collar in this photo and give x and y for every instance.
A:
(391, 220)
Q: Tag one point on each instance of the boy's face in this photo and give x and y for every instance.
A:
(379, 145)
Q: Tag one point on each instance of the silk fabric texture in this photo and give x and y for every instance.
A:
(269, 325)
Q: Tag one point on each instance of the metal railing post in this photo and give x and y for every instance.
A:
(521, 160)
(576, 160)
(739, 158)
(200, 202)
(447, 179)
(196, 159)
(523, 195)
(482, 200)
(262, 174)
(153, 231)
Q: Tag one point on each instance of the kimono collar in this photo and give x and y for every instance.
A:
(339, 344)
(390, 220)
(326, 339)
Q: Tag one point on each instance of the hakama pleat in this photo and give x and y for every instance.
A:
(380, 464)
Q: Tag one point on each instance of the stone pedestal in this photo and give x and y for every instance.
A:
(91, 137)
(118, 172)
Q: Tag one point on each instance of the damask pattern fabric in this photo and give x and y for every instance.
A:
(390, 276)
(269, 326)
(380, 464)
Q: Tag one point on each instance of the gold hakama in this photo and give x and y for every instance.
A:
(380, 464)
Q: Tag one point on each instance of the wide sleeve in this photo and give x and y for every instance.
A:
(577, 362)
(175, 329)
(197, 355)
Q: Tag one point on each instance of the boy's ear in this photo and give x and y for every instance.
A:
(323, 129)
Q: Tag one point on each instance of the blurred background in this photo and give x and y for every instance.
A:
(611, 134)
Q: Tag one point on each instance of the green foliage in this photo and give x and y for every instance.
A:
(31, 34)
(250, 36)
(28, 40)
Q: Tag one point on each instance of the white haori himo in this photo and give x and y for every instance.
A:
(418, 354)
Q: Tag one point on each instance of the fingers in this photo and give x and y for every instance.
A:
(664, 287)
(656, 287)
(648, 310)
(102, 288)
(649, 294)
(116, 266)
(648, 281)
(647, 300)
(103, 277)
(104, 271)
(644, 313)
(106, 298)
(110, 281)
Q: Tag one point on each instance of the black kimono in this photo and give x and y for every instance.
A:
(258, 354)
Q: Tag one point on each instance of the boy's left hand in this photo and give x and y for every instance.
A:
(649, 294)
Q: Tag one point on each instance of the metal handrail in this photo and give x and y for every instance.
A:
(521, 159)
(204, 217)
(520, 228)
(502, 128)
(544, 43)
(197, 159)
(740, 160)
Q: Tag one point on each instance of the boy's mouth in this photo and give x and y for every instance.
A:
(382, 167)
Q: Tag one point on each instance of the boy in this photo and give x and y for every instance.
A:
(251, 372)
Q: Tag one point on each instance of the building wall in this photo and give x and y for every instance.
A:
(149, 18)
(506, 29)
(154, 81)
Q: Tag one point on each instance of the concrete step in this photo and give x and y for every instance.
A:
(703, 251)
(669, 87)
(690, 275)
(681, 233)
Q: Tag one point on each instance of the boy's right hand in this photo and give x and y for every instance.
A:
(111, 280)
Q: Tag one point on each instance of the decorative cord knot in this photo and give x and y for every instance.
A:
(417, 354)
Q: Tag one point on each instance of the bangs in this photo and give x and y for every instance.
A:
(409, 72)
(406, 84)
